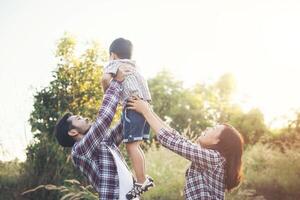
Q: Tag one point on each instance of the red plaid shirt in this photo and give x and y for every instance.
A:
(205, 176)
(91, 154)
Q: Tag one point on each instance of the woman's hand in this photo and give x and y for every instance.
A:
(135, 103)
(143, 107)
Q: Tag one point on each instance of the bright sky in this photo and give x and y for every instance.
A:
(257, 41)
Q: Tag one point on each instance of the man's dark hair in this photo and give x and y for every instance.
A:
(122, 48)
(61, 130)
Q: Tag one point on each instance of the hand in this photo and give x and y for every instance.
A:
(123, 71)
(135, 103)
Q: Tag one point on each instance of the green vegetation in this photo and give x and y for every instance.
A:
(9, 179)
(271, 159)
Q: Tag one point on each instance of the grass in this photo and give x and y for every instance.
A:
(167, 170)
(273, 173)
(9, 178)
(269, 174)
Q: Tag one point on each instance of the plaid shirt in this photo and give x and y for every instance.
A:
(205, 176)
(134, 84)
(92, 155)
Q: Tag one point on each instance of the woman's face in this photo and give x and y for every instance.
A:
(210, 136)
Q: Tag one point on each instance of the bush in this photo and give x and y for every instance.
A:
(9, 179)
(270, 173)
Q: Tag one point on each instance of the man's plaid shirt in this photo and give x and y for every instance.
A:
(205, 177)
(91, 154)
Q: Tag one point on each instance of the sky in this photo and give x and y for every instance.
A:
(198, 41)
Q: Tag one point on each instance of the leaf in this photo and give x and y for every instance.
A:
(33, 190)
(67, 196)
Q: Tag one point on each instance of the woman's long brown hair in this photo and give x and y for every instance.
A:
(230, 147)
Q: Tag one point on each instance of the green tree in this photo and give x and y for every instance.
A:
(251, 124)
(75, 88)
(181, 107)
(203, 105)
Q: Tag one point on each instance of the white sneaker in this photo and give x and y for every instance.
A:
(139, 189)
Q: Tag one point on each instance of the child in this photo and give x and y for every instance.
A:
(135, 127)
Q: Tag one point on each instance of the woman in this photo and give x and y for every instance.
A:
(215, 156)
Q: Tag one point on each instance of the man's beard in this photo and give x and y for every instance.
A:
(87, 130)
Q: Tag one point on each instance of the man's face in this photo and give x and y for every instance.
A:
(81, 124)
(210, 136)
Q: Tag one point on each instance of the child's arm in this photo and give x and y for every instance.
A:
(106, 78)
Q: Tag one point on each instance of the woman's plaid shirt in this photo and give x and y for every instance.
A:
(91, 154)
(205, 176)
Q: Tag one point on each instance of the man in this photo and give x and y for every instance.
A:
(95, 147)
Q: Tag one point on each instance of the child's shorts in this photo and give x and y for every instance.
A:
(135, 127)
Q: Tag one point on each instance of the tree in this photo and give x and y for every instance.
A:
(179, 106)
(75, 88)
(251, 124)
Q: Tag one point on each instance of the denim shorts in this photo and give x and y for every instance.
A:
(135, 127)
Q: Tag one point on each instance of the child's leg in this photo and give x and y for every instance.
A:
(137, 159)
(142, 152)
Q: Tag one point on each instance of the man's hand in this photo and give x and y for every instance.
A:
(123, 71)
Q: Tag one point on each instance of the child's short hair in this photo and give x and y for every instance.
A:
(122, 48)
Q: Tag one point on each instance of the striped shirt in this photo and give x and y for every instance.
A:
(93, 155)
(205, 177)
(134, 84)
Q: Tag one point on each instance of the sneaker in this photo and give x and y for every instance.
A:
(136, 191)
(149, 183)
(139, 189)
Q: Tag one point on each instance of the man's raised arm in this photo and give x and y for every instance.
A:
(106, 113)
(105, 116)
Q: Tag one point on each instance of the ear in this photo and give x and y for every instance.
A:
(73, 132)
(113, 56)
(216, 141)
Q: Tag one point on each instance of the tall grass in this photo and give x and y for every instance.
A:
(71, 190)
(273, 173)
(9, 178)
(167, 170)
(269, 173)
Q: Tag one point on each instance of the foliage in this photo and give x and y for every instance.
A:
(9, 178)
(167, 170)
(268, 174)
(287, 137)
(251, 124)
(71, 190)
(203, 105)
(76, 88)
(272, 173)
